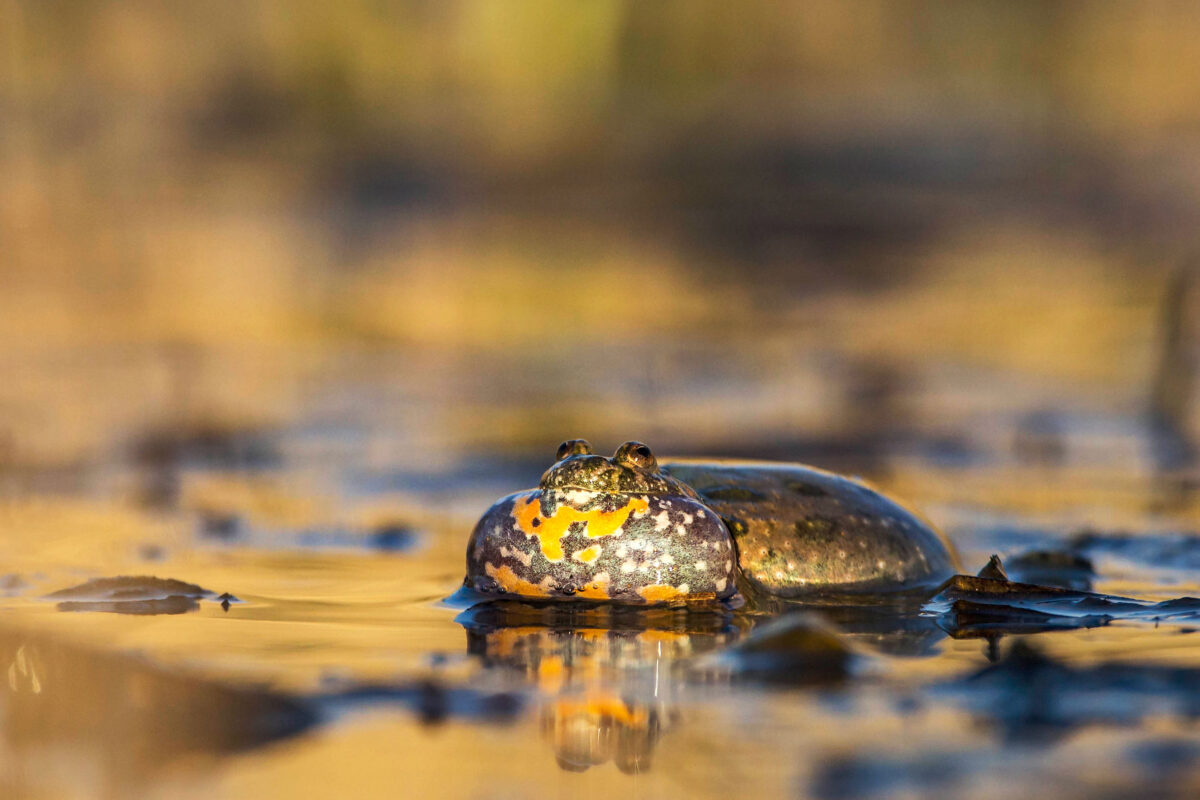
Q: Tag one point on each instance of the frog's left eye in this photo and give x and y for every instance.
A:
(636, 454)
(573, 447)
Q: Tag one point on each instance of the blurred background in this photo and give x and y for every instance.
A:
(421, 239)
(291, 292)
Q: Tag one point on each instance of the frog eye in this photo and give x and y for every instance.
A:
(636, 454)
(573, 447)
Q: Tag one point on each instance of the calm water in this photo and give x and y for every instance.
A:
(290, 294)
(338, 669)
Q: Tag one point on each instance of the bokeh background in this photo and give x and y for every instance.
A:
(290, 292)
(432, 238)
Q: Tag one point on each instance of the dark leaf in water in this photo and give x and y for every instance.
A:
(128, 594)
(129, 587)
(985, 606)
(976, 587)
(967, 619)
(166, 605)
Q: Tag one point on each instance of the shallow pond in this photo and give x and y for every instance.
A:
(289, 295)
(303, 645)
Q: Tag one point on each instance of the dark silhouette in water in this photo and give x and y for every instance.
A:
(1029, 696)
(132, 594)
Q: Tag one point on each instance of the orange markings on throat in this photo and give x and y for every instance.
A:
(510, 582)
(550, 530)
(597, 589)
(659, 593)
(588, 554)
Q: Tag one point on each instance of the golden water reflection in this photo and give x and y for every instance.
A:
(79, 722)
(605, 693)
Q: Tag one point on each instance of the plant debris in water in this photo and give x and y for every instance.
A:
(990, 604)
(133, 594)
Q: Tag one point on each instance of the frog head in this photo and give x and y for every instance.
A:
(604, 529)
(633, 469)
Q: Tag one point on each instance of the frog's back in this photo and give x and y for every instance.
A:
(801, 531)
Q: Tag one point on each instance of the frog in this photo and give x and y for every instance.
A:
(630, 530)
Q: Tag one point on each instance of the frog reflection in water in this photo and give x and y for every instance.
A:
(606, 687)
(631, 531)
(612, 681)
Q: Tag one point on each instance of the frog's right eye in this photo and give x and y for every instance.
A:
(636, 454)
(573, 447)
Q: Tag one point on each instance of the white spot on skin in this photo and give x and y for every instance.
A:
(683, 587)
(701, 565)
(578, 496)
(687, 518)
(662, 521)
(666, 558)
(699, 515)
(720, 584)
(680, 530)
(628, 567)
(728, 565)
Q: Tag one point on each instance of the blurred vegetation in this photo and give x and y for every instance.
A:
(524, 220)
